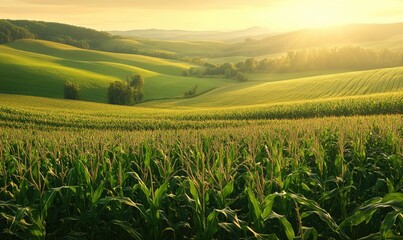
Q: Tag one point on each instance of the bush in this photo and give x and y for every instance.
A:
(71, 90)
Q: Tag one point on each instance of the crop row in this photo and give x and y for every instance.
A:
(68, 116)
(334, 178)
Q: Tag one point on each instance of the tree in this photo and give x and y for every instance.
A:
(137, 83)
(241, 77)
(71, 90)
(121, 93)
(191, 92)
(228, 70)
(249, 65)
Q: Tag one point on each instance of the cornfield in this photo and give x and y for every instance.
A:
(323, 178)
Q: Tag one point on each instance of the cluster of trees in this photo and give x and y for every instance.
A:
(227, 70)
(120, 93)
(11, 30)
(191, 92)
(352, 58)
(128, 93)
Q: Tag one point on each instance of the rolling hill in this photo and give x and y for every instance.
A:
(163, 34)
(294, 90)
(40, 68)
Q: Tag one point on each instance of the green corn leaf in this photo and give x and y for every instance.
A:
(159, 193)
(367, 209)
(308, 231)
(289, 231)
(98, 192)
(212, 224)
(316, 209)
(269, 201)
(388, 222)
(128, 228)
(231, 216)
(228, 189)
(193, 191)
(255, 203)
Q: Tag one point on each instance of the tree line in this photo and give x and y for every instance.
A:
(11, 30)
(351, 58)
(227, 70)
(337, 58)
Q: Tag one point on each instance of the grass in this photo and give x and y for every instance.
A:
(302, 89)
(186, 48)
(129, 45)
(274, 77)
(40, 68)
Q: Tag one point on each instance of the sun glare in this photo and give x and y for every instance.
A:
(317, 13)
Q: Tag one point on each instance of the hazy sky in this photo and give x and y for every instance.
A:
(277, 15)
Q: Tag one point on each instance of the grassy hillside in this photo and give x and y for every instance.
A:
(171, 48)
(302, 89)
(40, 68)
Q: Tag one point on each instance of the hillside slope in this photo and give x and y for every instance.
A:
(40, 68)
(302, 89)
(355, 34)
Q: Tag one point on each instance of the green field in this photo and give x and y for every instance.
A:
(89, 170)
(300, 155)
(301, 89)
(40, 68)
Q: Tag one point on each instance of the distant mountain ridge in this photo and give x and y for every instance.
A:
(163, 34)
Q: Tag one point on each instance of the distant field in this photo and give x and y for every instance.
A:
(273, 77)
(19, 111)
(40, 68)
(302, 89)
(180, 48)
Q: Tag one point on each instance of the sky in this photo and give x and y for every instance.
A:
(276, 15)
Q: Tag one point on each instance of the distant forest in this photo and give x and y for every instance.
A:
(11, 30)
(336, 58)
(350, 57)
